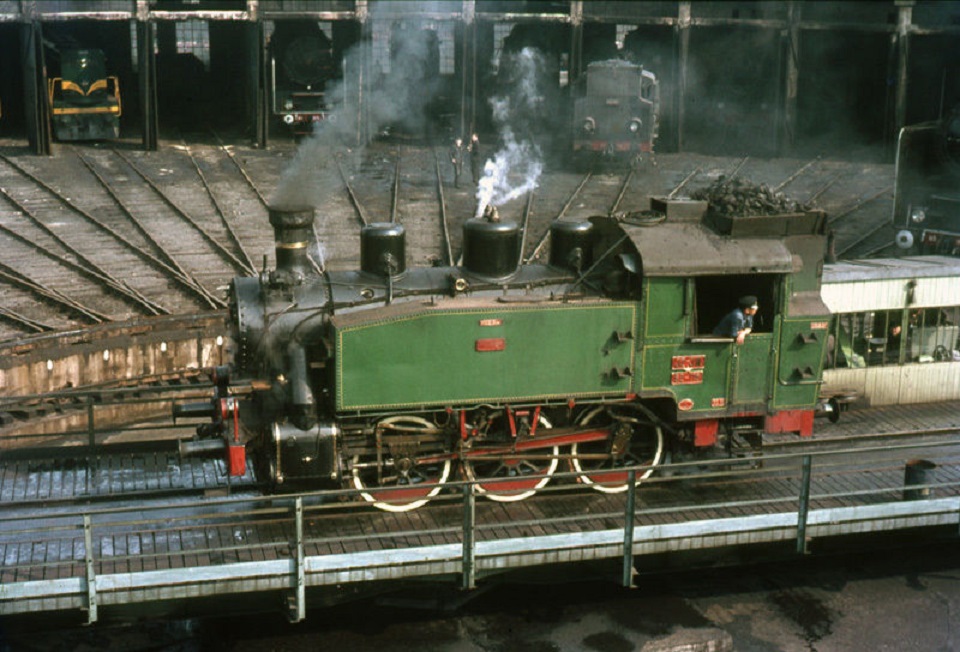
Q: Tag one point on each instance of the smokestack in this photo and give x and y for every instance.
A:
(292, 230)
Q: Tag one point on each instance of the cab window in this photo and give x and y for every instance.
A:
(716, 296)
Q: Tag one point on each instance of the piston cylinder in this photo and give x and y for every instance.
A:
(490, 249)
(571, 245)
(383, 249)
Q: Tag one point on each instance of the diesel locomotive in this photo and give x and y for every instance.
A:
(84, 99)
(393, 379)
(616, 112)
(926, 201)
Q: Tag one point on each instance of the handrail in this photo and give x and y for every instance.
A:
(215, 531)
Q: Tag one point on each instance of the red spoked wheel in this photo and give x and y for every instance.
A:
(634, 441)
(403, 479)
(512, 474)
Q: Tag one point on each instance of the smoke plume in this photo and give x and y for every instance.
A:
(399, 97)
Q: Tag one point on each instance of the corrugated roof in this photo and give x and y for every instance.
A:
(891, 268)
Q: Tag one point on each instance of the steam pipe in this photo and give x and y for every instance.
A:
(300, 392)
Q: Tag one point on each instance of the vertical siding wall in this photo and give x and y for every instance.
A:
(909, 383)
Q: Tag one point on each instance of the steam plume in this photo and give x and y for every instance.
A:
(515, 169)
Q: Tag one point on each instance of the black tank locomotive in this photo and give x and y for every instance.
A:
(616, 113)
(927, 189)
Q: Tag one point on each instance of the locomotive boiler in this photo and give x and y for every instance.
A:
(616, 113)
(926, 201)
(394, 380)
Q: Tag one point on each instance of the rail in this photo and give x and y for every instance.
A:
(70, 417)
(150, 553)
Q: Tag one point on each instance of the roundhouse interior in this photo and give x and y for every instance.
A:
(341, 341)
(758, 78)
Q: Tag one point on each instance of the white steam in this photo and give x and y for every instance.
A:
(515, 169)
(512, 172)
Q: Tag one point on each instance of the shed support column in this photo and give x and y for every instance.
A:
(258, 82)
(683, 55)
(364, 74)
(35, 99)
(147, 64)
(467, 67)
(576, 42)
(788, 131)
(904, 21)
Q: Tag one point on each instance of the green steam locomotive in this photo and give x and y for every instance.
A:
(395, 380)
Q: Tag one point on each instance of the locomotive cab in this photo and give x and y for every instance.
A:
(695, 267)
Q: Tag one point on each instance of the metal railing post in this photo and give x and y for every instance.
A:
(90, 570)
(628, 523)
(299, 612)
(804, 506)
(469, 537)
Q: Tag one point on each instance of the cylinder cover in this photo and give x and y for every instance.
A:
(490, 249)
(571, 244)
(383, 249)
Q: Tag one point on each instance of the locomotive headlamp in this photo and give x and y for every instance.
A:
(288, 119)
(918, 215)
(904, 239)
(634, 125)
(589, 125)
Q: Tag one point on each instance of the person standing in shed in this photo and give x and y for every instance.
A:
(456, 158)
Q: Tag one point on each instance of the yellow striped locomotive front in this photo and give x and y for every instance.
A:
(84, 100)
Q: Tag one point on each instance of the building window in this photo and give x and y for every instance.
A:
(193, 37)
(891, 337)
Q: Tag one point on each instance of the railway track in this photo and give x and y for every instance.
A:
(203, 206)
(99, 235)
(141, 468)
(182, 385)
(127, 543)
(53, 485)
(139, 523)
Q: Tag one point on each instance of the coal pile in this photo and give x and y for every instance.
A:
(740, 197)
